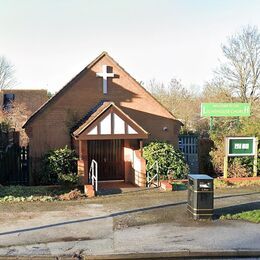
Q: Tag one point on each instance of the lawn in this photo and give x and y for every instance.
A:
(252, 216)
(36, 193)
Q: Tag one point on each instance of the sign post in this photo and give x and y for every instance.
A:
(225, 166)
(240, 146)
(255, 158)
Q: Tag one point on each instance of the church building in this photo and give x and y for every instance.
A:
(106, 115)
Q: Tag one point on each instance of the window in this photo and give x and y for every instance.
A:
(8, 100)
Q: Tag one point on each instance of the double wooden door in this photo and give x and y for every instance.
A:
(109, 155)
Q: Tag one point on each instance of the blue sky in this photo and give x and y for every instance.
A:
(49, 41)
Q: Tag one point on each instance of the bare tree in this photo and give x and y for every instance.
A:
(16, 117)
(6, 73)
(216, 91)
(183, 103)
(241, 71)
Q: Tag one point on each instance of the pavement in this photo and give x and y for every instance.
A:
(142, 224)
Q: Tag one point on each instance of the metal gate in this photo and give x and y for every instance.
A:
(188, 144)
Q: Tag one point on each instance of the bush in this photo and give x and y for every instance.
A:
(59, 166)
(68, 179)
(239, 166)
(169, 160)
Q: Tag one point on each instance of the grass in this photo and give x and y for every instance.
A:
(252, 216)
(31, 193)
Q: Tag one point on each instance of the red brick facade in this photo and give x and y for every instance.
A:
(49, 127)
(32, 99)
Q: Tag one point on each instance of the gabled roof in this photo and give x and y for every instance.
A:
(87, 116)
(76, 78)
(68, 85)
(93, 117)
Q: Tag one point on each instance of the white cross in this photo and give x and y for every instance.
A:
(104, 74)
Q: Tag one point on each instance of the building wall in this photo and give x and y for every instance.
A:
(50, 129)
(33, 99)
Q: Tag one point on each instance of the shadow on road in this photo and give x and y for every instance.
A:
(217, 212)
(120, 213)
(236, 195)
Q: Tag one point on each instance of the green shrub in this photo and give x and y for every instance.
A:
(239, 166)
(68, 179)
(57, 164)
(169, 160)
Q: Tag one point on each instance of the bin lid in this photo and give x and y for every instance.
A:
(200, 176)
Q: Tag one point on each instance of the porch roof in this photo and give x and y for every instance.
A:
(107, 121)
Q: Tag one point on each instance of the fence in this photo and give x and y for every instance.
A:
(14, 165)
(196, 152)
(188, 144)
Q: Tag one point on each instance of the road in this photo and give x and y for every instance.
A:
(138, 222)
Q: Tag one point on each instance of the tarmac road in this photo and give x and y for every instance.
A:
(130, 224)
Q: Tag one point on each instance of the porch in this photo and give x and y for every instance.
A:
(110, 149)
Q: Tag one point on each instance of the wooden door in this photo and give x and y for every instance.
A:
(110, 158)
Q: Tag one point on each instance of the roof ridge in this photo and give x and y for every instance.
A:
(84, 122)
(79, 75)
(54, 97)
(141, 86)
(88, 114)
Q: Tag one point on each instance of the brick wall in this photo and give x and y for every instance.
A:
(49, 129)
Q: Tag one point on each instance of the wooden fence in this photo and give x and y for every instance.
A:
(14, 162)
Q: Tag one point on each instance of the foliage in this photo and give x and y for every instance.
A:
(29, 199)
(38, 193)
(4, 129)
(31, 193)
(237, 170)
(249, 126)
(252, 216)
(68, 179)
(4, 126)
(175, 97)
(72, 118)
(72, 195)
(169, 159)
(218, 183)
(26, 191)
(56, 164)
(50, 94)
(16, 118)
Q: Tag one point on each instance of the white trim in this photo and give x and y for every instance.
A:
(93, 131)
(119, 125)
(131, 130)
(105, 125)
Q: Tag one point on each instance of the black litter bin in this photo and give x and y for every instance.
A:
(200, 196)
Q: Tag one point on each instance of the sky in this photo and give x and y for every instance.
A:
(50, 41)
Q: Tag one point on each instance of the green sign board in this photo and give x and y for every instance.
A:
(225, 109)
(240, 146)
